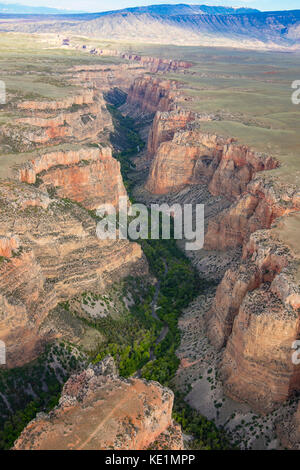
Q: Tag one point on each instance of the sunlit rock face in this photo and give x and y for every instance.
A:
(164, 126)
(90, 176)
(148, 95)
(183, 154)
(255, 316)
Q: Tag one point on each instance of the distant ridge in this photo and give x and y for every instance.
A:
(163, 10)
(181, 9)
(17, 8)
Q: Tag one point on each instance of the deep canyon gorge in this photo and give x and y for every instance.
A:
(60, 160)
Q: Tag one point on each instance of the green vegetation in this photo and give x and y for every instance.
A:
(179, 285)
(134, 337)
(129, 336)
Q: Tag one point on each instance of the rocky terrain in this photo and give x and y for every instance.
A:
(100, 410)
(253, 319)
(53, 122)
(90, 176)
(57, 166)
(148, 95)
(289, 431)
(49, 251)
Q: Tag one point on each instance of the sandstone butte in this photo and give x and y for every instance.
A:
(254, 318)
(99, 410)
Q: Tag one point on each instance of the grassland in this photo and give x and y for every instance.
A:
(251, 92)
(34, 67)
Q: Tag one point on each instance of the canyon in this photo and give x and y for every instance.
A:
(58, 167)
(57, 170)
(254, 317)
(49, 248)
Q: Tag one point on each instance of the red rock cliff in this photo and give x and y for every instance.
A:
(164, 126)
(190, 156)
(148, 95)
(255, 315)
(79, 117)
(88, 175)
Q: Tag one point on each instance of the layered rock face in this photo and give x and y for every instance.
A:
(49, 250)
(106, 77)
(164, 126)
(88, 175)
(148, 95)
(75, 118)
(156, 64)
(51, 254)
(190, 156)
(261, 203)
(153, 64)
(79, 117)
(100, 411)
(79, 100)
